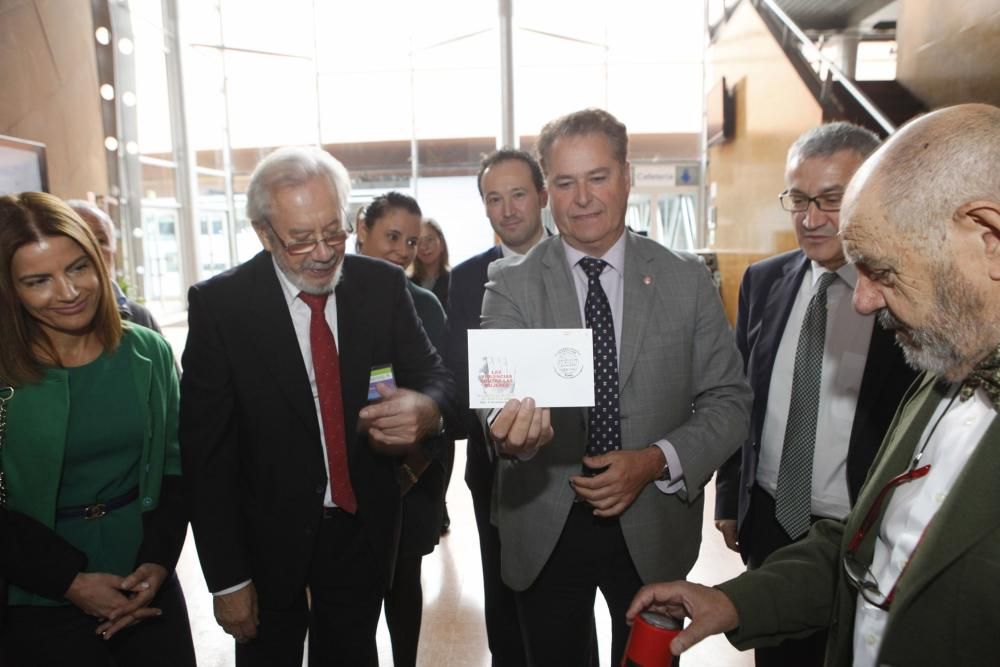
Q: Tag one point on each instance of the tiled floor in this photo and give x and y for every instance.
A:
(453, 634)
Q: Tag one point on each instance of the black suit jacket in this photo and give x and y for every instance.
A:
(468, 284)
(249, 433)
(766, 296)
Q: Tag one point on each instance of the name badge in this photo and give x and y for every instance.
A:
(380, 375)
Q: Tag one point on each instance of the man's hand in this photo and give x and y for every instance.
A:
(401, 419)
(728, 529)
(711, 611)
(97, 594)
(236, 612)
(141, 586)
(627, 474)
(521, 428)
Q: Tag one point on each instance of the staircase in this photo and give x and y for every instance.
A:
(881, 106)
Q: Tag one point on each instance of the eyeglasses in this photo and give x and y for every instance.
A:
(796, 202)
(428, 240)
(859, 574)
(334, 240)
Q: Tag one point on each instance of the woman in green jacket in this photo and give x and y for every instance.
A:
(90, 455)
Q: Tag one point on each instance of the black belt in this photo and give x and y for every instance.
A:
(97, 510)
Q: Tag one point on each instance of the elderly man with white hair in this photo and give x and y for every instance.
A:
(291, 469)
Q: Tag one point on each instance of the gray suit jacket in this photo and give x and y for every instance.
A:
(681, 379)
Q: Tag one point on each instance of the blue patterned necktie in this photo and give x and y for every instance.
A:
(604, 427)
(793, 496)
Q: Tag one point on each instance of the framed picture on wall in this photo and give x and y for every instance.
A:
(22, 166)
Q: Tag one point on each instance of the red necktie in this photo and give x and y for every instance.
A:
(326, 365)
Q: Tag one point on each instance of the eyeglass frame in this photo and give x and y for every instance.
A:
(809, 200)
(865, 582)
(306, 247)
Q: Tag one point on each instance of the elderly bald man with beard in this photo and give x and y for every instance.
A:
(910, 577)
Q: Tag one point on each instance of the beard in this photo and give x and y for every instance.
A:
(947, 344)
(295, 276)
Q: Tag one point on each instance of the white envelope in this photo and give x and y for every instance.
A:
(553, 366)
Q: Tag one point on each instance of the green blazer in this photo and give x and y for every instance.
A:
(947, 605)
(36, 437)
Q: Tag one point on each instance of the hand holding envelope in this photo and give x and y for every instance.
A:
(555, 367)
(529, 371)
(521, 427)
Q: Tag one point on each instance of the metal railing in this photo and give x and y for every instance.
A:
(825, 69)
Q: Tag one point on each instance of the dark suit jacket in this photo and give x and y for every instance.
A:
(468, 284)
(766, 296)
(249, 433)
(945, 611)
(423, 505)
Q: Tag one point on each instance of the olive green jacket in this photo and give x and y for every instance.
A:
(947, 605)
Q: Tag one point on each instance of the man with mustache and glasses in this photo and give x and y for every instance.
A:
(910, 576)
(826, 379)
(291, 471)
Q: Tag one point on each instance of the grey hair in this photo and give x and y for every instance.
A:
(831, 138)
(292, 166)
(934, 166)
(84, 208)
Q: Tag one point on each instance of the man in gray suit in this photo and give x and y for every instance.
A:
(607, 497)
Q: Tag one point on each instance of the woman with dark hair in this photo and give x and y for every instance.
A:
(389, 229)
(90, 459)
(430, 268)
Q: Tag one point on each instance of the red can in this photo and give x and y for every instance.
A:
(649, 642)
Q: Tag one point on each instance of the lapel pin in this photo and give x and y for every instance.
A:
(647, 280)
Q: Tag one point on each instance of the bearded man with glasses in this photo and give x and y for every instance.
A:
(291, 472)
(910, 577)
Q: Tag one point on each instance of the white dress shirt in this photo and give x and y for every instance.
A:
(955, 430)
(848, 335)
(301, 316)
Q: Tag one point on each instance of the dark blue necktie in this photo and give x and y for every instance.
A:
(605, 432)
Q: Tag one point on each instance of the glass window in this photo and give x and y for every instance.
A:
(161, 266)
(213, 243)
(271, 27)
(159, 182)
(273, 99)
(201, 21)
(152, 102)
(204, 86)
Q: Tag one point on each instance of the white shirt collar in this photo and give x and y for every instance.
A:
(848, 273)
(290, 291)
(615, 256)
